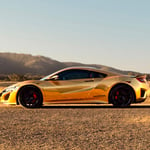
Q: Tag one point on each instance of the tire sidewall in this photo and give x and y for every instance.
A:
(25, 89)
(114, 102)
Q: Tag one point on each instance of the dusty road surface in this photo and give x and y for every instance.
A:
(84, 127)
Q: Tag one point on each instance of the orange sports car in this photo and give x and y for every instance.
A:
(78, 85)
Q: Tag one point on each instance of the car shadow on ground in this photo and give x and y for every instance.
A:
(94, 107)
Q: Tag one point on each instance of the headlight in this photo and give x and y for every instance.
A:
(10, 88)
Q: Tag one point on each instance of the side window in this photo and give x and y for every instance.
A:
(74, 74)
(79, 74)
(97, 75)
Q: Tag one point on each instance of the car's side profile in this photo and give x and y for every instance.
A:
(78, 85)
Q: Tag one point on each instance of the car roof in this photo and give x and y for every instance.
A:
(89, 68)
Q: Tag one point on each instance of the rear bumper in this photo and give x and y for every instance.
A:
(140, 100)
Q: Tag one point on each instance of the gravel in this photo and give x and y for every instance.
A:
(75, 127)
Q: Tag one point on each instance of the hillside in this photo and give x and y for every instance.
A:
(23, 64)
(27, 64)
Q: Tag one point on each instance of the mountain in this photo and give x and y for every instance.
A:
(28, 64)
(23, 64)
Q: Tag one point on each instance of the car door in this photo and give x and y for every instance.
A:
(70, 86)
(98, 93)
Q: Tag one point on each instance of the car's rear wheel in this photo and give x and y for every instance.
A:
(30, 97)
(121, 95)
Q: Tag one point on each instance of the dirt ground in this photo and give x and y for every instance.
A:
(83, 127)
(75, 127)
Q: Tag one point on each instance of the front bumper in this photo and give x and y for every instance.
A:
(8, 97)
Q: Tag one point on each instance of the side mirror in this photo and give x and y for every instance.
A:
(55, 77)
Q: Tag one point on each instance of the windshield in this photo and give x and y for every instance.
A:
(45, 78)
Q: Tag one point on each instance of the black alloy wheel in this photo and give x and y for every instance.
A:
(121, 95)
(30, 97)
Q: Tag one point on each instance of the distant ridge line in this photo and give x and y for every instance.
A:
(29, 64)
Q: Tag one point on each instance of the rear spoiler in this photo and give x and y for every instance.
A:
(141, 76)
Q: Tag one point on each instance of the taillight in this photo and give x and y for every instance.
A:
(141, 79)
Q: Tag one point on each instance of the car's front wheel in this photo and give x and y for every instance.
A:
(121, 95)
(30, 97)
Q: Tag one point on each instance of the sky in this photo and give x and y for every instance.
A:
(114, 33)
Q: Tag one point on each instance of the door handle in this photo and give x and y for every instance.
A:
(89, 80)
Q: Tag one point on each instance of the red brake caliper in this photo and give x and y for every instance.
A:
(35, 97)
(117, 93)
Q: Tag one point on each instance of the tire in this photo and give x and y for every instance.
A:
(121, 95)
(30, 97)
